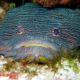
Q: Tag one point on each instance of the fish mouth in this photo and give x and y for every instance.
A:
(36, 49)
(35, 44)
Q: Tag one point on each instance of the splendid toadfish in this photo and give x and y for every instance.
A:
(31, 30)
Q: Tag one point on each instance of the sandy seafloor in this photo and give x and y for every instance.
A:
(41, 72)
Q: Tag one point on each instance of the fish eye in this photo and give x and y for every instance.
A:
(56, 32)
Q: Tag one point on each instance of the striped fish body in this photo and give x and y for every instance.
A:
(31, 30)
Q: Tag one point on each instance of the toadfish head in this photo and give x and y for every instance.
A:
(34, 31)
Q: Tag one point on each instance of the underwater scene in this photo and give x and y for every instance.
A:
(37, 43)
